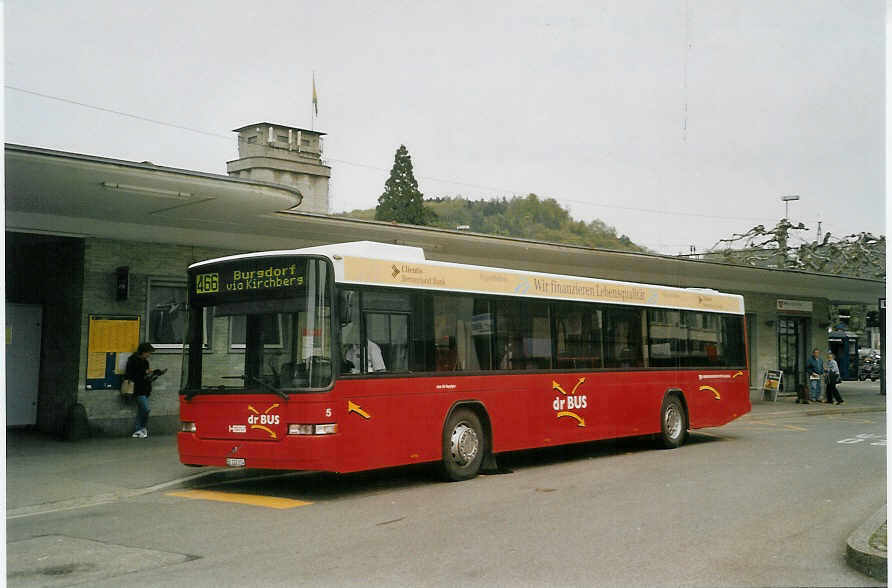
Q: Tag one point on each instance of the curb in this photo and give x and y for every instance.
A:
(86, 501)
(861, 554)
(818, 411)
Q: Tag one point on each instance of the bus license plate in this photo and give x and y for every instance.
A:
(235, 462)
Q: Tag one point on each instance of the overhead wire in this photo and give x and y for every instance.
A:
(497, 189)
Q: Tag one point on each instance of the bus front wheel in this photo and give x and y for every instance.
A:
(673, 422)
(463, 445)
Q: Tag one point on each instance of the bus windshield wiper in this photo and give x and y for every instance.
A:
(254, 379)
(269, 387)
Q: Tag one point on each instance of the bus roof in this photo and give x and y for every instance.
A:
(388, 265)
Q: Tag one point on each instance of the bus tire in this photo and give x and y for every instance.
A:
(464, 444)
(673, 422)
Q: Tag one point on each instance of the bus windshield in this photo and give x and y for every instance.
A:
(259, 325)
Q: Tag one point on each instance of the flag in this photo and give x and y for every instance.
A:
(315, 99)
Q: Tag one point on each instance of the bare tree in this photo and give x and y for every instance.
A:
(860, 254)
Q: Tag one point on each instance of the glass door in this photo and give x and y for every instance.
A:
(791, 353)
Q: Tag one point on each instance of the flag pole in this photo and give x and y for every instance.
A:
(313, 106)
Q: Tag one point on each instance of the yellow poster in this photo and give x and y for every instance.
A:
(113, 335)
(96, 365)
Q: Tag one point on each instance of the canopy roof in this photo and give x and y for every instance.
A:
(55, 192)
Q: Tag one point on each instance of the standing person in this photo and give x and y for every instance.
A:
(139, 373)
(815, 371)
(832, 380)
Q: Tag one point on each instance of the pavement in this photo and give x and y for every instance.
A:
(45, 475)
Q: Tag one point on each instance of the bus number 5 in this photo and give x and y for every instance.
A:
(327, 412)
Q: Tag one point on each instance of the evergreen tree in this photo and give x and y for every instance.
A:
(402, 201)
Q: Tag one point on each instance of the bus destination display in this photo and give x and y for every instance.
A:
(248, 277)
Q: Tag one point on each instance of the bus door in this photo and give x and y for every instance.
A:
(375, 353)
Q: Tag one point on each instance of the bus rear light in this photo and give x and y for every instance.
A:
(187, 427)
(324, 429)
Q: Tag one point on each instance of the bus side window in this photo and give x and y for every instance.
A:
(623, 342)
(348, 308)
(523, 335)
(387, 342)
(578, 336)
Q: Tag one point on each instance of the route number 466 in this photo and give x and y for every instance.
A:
(207, 283)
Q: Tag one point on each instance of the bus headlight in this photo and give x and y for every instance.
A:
(187, 427)
(323, 429)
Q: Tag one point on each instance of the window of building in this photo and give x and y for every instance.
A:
(271, 327)
(167, 313)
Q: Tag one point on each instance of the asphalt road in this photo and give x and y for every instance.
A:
(760, 502)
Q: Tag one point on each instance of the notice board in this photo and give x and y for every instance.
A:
(110, 341)
(771, 384)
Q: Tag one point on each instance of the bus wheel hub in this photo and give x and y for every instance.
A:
(465, 444)
(673, 422)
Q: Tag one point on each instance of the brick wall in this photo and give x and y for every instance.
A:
(107, 412)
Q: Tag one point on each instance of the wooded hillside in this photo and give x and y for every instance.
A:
(526, 217)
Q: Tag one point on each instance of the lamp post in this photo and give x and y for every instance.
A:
(786, 200)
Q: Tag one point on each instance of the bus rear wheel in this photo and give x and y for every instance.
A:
(673, 422)
(463, 445)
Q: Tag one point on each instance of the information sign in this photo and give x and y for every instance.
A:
(771, 384)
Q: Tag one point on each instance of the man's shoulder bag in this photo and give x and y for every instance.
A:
(126, 388)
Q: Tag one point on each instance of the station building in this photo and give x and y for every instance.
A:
(97, 250)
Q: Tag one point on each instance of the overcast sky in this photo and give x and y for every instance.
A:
(678, 122)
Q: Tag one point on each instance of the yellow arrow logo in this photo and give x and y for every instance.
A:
(713, 390)
(351, 407)
(262, 428)
(574, 415)
(556, 386)
(737, 374)
(254, 410)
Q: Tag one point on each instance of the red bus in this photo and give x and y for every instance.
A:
(365, 355)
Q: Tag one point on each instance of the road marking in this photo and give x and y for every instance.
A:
(852, 420)
(795, 428)
(249, 499)
(878, 440)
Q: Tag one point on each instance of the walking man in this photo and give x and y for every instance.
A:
(832, 380)
(138, 372)
(815, 371)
